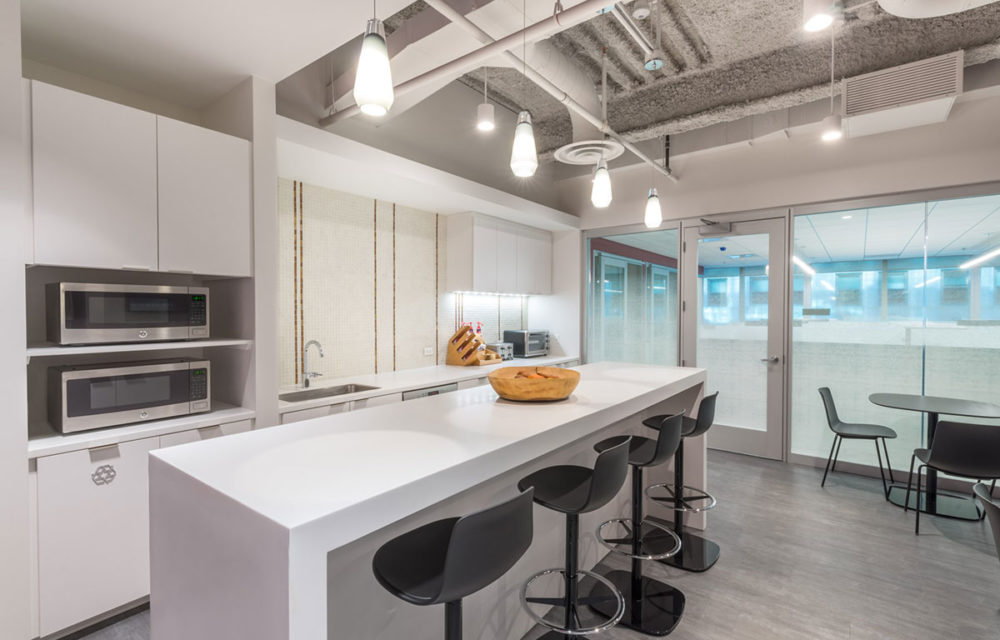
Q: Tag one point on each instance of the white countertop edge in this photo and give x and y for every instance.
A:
(421, 378)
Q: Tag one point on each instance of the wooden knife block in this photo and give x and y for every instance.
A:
(464, 349)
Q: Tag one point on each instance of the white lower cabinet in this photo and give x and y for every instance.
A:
(205, 433)
(377, 401)
(315, 412)
(93, 532)
(470, 384)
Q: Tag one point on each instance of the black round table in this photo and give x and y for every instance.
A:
(937, 502)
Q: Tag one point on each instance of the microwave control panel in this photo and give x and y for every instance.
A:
(199, 384)
(199, 310)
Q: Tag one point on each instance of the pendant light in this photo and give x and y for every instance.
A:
(818, 14)
(373, 82)
(832, 127)
(485, 116)
(654, 214)
(600, 193)
(523, 156)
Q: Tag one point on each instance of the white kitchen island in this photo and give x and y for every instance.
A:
(268, 535)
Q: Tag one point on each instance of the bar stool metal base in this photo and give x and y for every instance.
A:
(697, 554)
(599, 592)
(692, 500)
(651, 607)
(656, 541)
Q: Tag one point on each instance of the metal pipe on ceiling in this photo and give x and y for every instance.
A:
(474, 59)
(631, 28)
(558, 22)
(543, 82)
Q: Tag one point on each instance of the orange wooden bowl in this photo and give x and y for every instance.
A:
(554, 384)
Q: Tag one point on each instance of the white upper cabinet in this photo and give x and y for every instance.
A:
(204, 200)
(94, 181)
(490, 256)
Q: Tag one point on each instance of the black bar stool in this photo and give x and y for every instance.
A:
(697, 553)
(574, 490)
(447, 560)
(651, 607)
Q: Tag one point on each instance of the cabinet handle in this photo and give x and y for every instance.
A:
(180, 270)
(136, 267)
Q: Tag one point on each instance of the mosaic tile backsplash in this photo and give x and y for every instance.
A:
(365, 278)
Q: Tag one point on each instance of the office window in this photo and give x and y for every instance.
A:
(954, 286)
(897, 288)
(716, 292)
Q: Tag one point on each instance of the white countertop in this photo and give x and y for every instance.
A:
(407, 380)
(316, 469)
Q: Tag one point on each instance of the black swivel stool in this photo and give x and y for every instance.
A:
(447, 560)
(574, 490)
(651, 607)
(697, 553)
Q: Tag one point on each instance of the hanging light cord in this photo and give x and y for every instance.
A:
(832, 77)
(604, 87)
(486, 80)
(524, 51)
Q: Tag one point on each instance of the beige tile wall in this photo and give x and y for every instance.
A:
(367, 282)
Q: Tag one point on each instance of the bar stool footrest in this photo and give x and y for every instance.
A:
(692, 500)
(601, 591)
(656, 541)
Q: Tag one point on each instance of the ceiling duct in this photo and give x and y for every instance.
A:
(910, 95)
(929, 8)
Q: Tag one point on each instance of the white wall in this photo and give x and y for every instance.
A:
(802, 169)
(13, 392)
(560, 313)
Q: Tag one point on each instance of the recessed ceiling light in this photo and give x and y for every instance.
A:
(847, 217)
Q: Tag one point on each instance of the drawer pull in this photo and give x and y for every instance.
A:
(104, 474)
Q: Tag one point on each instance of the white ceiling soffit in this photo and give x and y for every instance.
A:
(324, 159)
(929, 8)
(189, 52)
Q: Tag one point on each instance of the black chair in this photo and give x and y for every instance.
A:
(852, 431)
(697, 554)
(961, 449)
(573, 490)
(651, 607)
(447, 560)
(992, 509)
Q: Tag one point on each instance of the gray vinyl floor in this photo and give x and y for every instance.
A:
(801, 562)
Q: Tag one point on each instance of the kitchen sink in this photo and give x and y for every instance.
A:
(324, 392)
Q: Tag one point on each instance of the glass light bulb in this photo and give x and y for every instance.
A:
(600, 193)
(831, 127)
(523, 157)
(654, 215)
(485, 120)
(819, 14)
(373, 82)
(818, 22)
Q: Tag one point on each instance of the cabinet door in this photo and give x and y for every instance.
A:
(93, 532)
(94, 181)
(315, 412)
(484, 255)
(376, 401)
(534, 261)
(204, 200)
(507, 259)
(204, 433)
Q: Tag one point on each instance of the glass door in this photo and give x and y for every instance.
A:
(733, 315)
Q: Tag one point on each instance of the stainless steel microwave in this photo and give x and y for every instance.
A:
(79, 313)
(528, 344)
(94, 396)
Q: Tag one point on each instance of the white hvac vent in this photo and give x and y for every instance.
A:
(906, 96)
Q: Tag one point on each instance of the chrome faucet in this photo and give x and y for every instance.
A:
(306, 373)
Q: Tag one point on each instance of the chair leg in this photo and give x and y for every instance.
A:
(881, 472)
(920, 470)
(888, 465)
(909, 483)
(837, 454)
(829, 460)
(453, 620)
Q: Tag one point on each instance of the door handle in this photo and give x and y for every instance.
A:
(770, 359)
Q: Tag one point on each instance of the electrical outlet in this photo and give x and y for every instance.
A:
(428, 351)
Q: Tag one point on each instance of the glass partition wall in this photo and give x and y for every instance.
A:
(893, 299)
(632, 302)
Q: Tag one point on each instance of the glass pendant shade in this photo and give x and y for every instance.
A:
(600, 193)
(831, 128)
(523, 157)
(485, 119)
(654, 215)
(373, 83)
(818, 14)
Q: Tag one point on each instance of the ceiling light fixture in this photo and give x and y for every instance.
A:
(801, 264)
(981, 259)
(654, 214)
(818, 14)
(640, 9)
(373, 82)
(523, 155)
(485, 115)
(831, 127)
(655, 60)
(600, 193)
